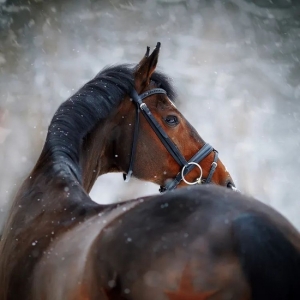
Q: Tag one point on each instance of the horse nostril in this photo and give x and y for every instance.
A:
(231, 186)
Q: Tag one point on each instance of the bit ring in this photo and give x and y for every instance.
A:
(198, 180)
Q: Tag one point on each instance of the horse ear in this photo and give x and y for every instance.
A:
(145, 68)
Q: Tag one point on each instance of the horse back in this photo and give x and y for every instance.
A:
(198, 242)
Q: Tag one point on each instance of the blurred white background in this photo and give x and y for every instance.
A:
(236, 67)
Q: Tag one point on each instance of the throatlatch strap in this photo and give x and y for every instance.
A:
(127, 176)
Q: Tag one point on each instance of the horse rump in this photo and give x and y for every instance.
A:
(271, 263)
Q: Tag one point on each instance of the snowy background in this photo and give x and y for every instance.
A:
(236, 66)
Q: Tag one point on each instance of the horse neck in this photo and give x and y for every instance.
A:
(80, 164)
(70, 143)
(63, 147)
(97, 154)
(60, 178)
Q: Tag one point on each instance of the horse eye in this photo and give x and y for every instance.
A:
(171, 120)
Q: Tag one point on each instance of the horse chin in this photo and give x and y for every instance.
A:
(230, 185)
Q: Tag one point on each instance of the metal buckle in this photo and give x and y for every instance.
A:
(142, 106)
(198, 180)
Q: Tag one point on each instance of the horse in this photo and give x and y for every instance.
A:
(123, 120)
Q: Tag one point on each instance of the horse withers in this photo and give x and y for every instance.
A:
(123, 120)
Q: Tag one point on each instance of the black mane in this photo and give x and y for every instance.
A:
(77, 116)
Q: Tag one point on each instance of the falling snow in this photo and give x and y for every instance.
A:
(236, 67)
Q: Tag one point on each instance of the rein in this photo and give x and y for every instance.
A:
(187, 166)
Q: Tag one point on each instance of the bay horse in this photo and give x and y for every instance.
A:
(123, 120)
(203, 242)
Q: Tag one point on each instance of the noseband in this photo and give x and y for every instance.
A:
(187, 166)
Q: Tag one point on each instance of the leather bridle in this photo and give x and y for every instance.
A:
(186, 166)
